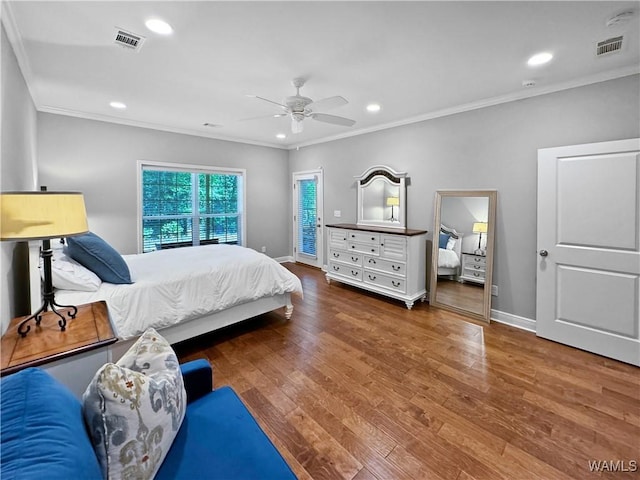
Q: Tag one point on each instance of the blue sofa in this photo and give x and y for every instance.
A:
(43, 433)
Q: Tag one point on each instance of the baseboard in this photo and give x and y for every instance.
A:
(513, 320)
(284, 259)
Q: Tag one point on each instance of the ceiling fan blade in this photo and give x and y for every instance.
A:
(267, 100)
(323, 117)
(273, 115)
(328, 103)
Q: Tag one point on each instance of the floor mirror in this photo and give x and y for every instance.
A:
(462, 251)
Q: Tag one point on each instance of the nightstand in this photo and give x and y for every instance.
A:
(72, 356)
(474, 268)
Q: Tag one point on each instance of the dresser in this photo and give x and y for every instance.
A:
(474, 268)
(387, 261)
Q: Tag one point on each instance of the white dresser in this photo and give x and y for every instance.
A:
(474, 268)
(387, 261)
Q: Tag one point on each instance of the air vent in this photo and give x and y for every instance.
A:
(608, 46)
(128, 39)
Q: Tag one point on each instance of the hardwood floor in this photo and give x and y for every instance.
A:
(355, 386)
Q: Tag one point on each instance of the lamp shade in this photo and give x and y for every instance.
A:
(41, 215)
(393, 201)
(480, 227)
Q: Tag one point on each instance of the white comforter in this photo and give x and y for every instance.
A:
(173, 286)
(448, 258)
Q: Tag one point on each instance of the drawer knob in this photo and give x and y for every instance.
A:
(336, 255)
(372, 278)
(336, 268)
(354, 259)
(477, 259)
(355, 274)
(371, 260)
(394, 283)
(476, 274)
(373, 249)
(395, 267)
(373, 238)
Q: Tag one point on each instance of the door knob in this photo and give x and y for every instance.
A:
(543, 253)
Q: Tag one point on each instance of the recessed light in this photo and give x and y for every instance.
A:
(539, 59)
(159, 26)
(281, 136)
(373, 108)
(117, 105)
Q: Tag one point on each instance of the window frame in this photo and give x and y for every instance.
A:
(191, 168)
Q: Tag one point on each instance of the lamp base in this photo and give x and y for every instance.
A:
(48, 303)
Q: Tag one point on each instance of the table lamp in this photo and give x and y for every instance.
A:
(393, 202)
(42, 216)
(480, 227)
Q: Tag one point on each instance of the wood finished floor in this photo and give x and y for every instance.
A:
(355, 386)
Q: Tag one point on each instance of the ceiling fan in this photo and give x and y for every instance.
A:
(298, 108)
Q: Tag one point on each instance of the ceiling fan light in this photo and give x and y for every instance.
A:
(296, 125)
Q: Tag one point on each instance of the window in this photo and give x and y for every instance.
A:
(188, 205)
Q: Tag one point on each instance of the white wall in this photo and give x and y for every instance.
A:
(100, 160)
(17, 172)
(489, 148)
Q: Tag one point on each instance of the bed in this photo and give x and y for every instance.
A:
(449, 257)
(186, 292)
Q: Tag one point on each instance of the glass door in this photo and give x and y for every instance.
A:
(307, 221)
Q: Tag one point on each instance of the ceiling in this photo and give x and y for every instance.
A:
(418, 60)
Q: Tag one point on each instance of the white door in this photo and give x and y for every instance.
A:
(588, 285)
(307, 221)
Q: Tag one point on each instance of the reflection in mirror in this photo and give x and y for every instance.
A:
(381, 198)
(463, 251)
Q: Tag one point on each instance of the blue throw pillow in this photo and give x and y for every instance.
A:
(43, 433)
(444, 238)
(94, 253)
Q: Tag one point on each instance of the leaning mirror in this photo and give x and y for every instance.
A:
(382, 198)
(462, 251)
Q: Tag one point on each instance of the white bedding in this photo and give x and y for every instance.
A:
(177, 285)
(448, 258)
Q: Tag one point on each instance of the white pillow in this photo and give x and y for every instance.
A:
(451, 243)
(134, 408)
(67, 274)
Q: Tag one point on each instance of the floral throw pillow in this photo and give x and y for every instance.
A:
(134, 409)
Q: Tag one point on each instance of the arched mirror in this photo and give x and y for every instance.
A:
(382, 198)
(462, 254)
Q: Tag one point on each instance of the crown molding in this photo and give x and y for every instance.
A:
(488, 102)
(149, 125)
(13, 33)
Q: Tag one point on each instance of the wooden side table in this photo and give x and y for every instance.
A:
(72, 356)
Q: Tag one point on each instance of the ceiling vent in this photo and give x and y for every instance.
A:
(611, 45)
(128, 39)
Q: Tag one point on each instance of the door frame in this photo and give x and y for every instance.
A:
(305, 175)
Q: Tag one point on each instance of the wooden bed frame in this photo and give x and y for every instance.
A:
(180, 332)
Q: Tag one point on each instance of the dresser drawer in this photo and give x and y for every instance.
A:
(386, 281)
(367, 238)
(473, 274)
(377, 263)
(346, 257)
(369, 248)
(477, 260)
(338, 238)
(393, 246)
(354, 273)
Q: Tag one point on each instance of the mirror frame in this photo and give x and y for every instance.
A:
(392, 177)
(492, 195)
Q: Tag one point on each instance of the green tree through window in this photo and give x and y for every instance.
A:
(190, 207)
